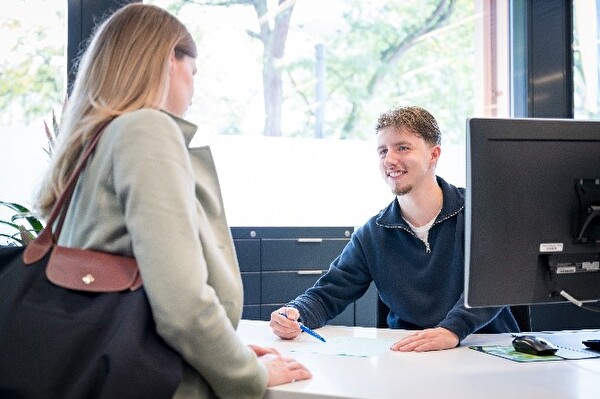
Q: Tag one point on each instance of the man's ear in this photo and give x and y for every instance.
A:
(436, 151)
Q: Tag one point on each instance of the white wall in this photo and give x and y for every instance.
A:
(308, 182)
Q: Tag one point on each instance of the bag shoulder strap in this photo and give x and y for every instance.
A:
(39, 247)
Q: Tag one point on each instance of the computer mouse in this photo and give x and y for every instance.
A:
(533, 345)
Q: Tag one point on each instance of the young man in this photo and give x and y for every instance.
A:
(413, 250)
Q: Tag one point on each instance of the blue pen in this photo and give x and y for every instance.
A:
(307, 330)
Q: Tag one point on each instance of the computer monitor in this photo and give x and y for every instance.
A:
(532, 228)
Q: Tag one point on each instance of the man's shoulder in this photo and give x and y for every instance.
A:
(451, 189)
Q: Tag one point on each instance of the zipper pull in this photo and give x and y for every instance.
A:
(427, 247)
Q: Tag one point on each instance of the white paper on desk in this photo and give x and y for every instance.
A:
(570, 345)
(348, 346)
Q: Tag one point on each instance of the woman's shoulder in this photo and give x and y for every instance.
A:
(142, 130)
(143, 123)
(146, 116)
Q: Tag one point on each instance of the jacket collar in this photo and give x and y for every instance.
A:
(454, 203)
(187, 128)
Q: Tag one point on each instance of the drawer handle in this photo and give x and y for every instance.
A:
(309, 272)
(310, 240)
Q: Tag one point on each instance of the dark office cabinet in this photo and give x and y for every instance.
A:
(562, 316)
(249, 260)
(278, 263)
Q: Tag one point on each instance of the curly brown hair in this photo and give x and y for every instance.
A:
(416, 119)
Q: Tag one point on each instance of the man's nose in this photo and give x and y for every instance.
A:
(390, 158)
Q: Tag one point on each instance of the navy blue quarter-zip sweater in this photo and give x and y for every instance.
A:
(421, 284)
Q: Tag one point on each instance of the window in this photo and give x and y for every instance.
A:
(586, 14)
(306, 155)
(32, 76)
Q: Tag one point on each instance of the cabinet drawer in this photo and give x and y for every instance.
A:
(281, 287)
(251, 312)
(300, 253)
(248, 254)
(251, 283)
(346, 318)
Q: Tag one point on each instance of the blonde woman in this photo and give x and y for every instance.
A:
(145, 194)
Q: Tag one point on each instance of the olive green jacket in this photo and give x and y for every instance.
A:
(146, 194)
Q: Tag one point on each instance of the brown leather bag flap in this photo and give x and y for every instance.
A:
(92, 271)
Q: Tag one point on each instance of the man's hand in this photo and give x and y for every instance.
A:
(284, 324)
(430, 339)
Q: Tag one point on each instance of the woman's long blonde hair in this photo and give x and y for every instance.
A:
(125, 68)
